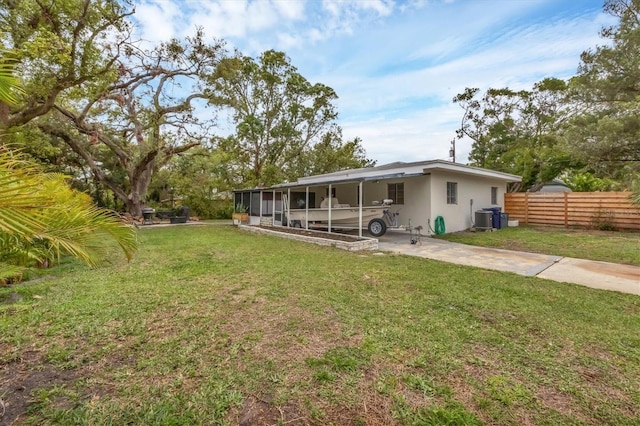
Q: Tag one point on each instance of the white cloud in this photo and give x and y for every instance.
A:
(404, 111)
(345, 17)
(332, 6)
(420, 134)
(235, 19)
(287, 41)
(314, 35)
(520, 59)
(157, 20)
(341, 7)
(238, 18)
(384, 8)
(290, 10)
(412, 5)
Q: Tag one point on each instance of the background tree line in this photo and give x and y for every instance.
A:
(585, 130)
(134, 124)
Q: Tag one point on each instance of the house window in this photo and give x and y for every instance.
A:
(452, 192)
(494, 195)
(395, 192)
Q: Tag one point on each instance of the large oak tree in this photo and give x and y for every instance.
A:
(122, 110)
(136, 123)
(279, 117)
(60, 45)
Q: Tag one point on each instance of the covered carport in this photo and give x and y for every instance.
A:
(274, 203)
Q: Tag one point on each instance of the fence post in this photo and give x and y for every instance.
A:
(526, 208)
(566, 210)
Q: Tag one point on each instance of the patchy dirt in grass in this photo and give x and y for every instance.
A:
(262, 411)
(376, 408)
(603, 384)
(258, 411)
(561, 402)
(10, 298)
(287, 335)
(18, 381)
(287, 332)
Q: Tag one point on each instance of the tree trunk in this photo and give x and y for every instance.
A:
(136, 198)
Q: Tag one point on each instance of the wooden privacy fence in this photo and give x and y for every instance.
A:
(602, 210)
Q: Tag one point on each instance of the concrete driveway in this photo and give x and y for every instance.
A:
(601, 275)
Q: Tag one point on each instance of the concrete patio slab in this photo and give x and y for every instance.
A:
(527, 264)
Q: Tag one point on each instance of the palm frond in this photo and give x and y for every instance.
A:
(9, 84)
(90, 235)
(44, 218)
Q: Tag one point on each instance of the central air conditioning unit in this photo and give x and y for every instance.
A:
(483, 219)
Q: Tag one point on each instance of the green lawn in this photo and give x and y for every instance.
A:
(617, 247)
(211, 325)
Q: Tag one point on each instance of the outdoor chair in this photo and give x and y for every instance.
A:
(182, 215)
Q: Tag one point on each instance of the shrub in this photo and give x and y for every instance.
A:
(603, 220)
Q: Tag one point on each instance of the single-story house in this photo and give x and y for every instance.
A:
(416, 193)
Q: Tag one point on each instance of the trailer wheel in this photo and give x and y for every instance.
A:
(297, 224)
(377, 227)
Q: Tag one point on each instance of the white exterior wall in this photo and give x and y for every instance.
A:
(374, 191)
(417, 201)
(458, 217)
(347, 193)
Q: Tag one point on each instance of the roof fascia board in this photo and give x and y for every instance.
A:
(361, 174)
(470, 170)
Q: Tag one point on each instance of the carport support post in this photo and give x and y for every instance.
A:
(288, 207)
(273, 209)
(360, 197)
(306, 209)
(329, 214)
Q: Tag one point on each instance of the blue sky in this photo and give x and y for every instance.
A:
(396, 65)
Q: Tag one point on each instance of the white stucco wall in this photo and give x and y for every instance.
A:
(374, 191)
(417, 201)
(347, 193)
(459, 216)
